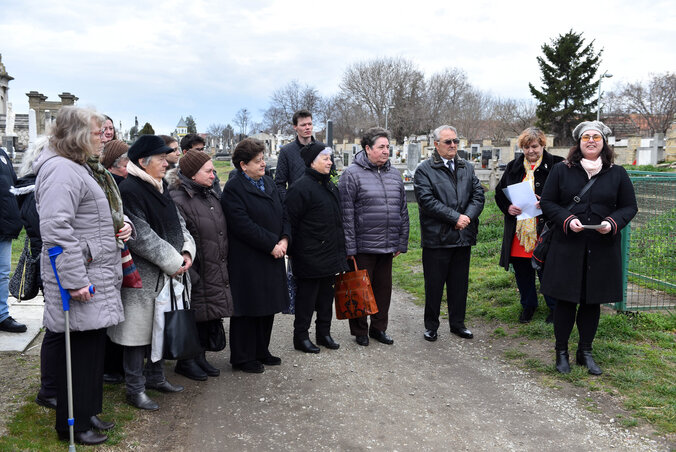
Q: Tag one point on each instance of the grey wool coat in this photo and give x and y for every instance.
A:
(75, 215)
(162, 237)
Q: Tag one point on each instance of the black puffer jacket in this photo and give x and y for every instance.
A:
(514, 173)
(373, 204)
(201, 209)
(313, 206)
(442, 197)
(10, 218)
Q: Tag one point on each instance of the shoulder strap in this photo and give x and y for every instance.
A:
(577, 198)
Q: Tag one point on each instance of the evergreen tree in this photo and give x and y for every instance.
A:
(569, 85)
(146, 130)
(190, 122)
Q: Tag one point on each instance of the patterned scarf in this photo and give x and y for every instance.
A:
(526, 230)
(109, 187)
(591, 167)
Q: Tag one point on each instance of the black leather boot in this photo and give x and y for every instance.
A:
(562, 362)
(584, 358)
(189, 368)
(210, 370)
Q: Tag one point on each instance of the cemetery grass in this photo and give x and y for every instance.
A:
(637, 351)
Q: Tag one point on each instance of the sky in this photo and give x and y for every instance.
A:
(163, 60)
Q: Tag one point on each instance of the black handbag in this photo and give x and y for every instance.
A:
(545, 238)
(26, 282)
(181, 340)
(216, 336)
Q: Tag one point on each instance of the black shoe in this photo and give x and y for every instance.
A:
(462, 332)
(328, 342)
(142, 402)
(113, 379)
(98, 424)
(306, 346)
(381, 337)
(189, 368)
(271, 361)
(430, 335)
(550, 317)
(12, 326)
(362, 340)
(165, 386)
(88, 438)
(526, 314)
(562, 363)
(251, 367)
(47, 402)
(210, 370)
(584, 358)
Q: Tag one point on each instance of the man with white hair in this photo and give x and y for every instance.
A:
(450, 199)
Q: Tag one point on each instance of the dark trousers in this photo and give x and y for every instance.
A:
(449, 266)
(587, 320)
(204, 330)
(86, 350)
(112, 363)
(52, 345)
(136, 373)
(379, 267)
(313, 294)
(250, 338)
(525, 281)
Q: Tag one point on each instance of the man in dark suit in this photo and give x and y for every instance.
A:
(450, 200)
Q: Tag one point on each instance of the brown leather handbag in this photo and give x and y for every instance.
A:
(354, 295)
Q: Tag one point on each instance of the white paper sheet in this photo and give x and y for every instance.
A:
(522, 196)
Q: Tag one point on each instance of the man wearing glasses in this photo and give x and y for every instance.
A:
(450, 199)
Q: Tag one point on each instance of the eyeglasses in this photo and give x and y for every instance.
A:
(97, 133)
(448, 142)
(591, 137)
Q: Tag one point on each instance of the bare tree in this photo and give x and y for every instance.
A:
(509, 117)
(444, 91)
(655, 101)
(378, 84)
(471, 114)
(288, 100)
(241, 120)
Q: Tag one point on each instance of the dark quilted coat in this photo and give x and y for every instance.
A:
(373, 203)
(201, 209)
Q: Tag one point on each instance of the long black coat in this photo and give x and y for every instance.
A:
(313, 205)
(587, 256)
(204, 218)
(514, 174)
(256, 222)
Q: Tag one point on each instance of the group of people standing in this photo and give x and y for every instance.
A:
(169, 212)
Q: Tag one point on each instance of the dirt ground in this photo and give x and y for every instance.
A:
(452, 394)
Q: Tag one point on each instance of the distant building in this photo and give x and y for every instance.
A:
(181, 129)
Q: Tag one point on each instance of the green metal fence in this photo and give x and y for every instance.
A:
(649, 245)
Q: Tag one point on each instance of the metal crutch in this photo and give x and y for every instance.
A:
(65, 299)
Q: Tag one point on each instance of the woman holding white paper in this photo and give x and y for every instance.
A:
(519, 236)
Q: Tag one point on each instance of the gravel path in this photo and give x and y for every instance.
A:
(452, 394)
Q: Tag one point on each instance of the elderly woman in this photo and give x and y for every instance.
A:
(80, 210)
(519, 236)
(375, 221)
(114, 159)
(258, 234)
(163, 246)
(204, 218)
(318, 251)
(584, 264)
